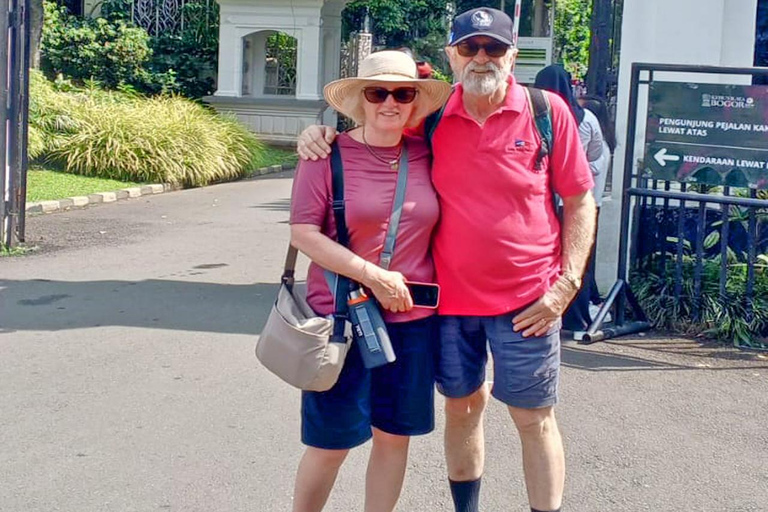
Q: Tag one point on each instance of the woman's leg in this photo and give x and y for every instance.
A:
(402, 405)
(315, 478)
(386, 471)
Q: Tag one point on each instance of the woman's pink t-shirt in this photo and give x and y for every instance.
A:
(369, 190)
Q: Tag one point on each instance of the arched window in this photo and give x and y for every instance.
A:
(280, 65)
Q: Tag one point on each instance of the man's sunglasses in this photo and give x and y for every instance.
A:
(400, 95)
(469, 48)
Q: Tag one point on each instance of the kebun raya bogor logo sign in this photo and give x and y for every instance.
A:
(716, 100)
(716, 134)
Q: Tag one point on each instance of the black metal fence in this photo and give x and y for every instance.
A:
(687, 249)
(14, 109)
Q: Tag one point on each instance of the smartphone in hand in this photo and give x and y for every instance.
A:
(424, 295)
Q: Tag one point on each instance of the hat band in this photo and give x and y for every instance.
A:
(385, 73)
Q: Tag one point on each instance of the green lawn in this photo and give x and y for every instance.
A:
(44, 184)
(276, 156)
(48, 184)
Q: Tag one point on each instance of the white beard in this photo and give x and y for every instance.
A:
(482, 84)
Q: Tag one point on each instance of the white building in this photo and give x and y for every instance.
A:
(251, 80)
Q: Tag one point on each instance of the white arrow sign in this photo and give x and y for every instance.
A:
(662, 157)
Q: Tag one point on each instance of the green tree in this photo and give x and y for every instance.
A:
(397, 22)
(572, 34)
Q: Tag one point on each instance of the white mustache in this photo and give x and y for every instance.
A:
(488, 66)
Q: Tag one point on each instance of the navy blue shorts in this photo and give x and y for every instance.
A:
(525, 370)
(397, 398)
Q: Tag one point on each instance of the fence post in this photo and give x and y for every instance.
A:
(4, 16)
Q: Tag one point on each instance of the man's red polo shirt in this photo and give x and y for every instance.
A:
(497, 245)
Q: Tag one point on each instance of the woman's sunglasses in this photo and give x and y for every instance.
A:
(469, 48)
(400, 95)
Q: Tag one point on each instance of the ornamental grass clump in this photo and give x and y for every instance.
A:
(129, 137)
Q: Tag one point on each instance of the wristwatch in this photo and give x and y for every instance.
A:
(573, 280)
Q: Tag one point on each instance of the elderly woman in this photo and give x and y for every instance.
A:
(395, 401)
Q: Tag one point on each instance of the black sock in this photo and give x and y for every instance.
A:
(466, 495)
(537, 510)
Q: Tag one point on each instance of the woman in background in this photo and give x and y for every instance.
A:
(556, 79)
(599, 108)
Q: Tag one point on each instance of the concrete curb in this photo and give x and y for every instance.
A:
(68, 203)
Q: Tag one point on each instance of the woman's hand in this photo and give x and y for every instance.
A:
(388, 287)
(315, 142)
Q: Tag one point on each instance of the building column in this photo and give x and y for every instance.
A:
(309, 62)
(331, 34)
(230, 79)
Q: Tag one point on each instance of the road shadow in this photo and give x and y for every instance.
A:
(46, 305)
(281, 205)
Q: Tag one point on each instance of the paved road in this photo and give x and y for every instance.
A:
(128, 383)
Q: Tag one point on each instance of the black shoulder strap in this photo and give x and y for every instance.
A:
(430, 123)
(342, 283)
(542, 117)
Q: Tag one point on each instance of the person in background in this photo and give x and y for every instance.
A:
(395, 401)
(556, 79)
(423, 68)
(599, 108)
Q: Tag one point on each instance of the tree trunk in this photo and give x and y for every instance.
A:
(599, 49)
(36, 15)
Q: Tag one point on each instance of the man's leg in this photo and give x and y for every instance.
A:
(543, 458)
(315, 478)
(464, 440)
(461, 378)
(386, 471)
(526, 376)
(465, 448)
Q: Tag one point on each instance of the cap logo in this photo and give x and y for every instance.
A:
(482, 19)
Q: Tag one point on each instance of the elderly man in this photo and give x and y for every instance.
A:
(506, 265)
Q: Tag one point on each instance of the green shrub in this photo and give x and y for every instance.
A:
(191, 54)
(111, 53)
(723, 319)
(128, 137)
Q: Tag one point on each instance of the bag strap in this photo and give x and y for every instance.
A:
(343, 283)
(388, 250)
(289, 269)
(542, 117)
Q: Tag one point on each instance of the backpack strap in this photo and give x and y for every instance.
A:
(542, 117)
(430, 123)
(343, 283)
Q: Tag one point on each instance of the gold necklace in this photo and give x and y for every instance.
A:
(393, 164)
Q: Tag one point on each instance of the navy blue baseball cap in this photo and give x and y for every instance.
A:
(483, 21)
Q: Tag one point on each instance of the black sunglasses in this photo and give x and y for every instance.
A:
(400, 95)
(469, 48)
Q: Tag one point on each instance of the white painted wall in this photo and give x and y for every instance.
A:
(697, 32)
(316, 25)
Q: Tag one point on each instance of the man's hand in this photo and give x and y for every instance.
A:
(315, 142)
(538, 318)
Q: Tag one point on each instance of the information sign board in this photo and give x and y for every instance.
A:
(708, 133)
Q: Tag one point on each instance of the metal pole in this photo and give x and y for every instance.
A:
(4, 16)
(13, 117)
(25, 33)
(629, 157)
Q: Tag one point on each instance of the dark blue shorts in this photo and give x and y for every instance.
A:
(525, 370)
(397, 398)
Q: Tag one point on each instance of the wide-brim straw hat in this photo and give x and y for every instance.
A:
(389, 68)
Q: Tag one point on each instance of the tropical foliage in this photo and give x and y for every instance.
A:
(128, 137)
(111, 53)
